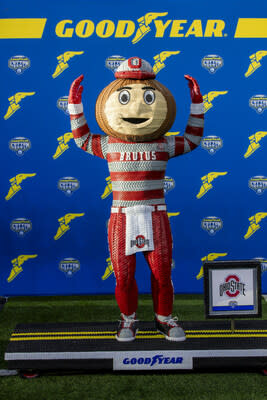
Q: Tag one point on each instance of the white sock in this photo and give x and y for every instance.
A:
(163, 318)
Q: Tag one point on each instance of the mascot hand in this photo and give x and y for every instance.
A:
(194, 89)
(75, 94)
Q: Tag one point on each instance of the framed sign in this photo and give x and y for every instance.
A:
(232, 289)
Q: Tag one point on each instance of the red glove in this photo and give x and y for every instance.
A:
(196, 96)
(75, 94)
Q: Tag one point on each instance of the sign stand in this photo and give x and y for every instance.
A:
(231, 343)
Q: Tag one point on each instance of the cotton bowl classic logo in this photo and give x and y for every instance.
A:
(69, 266)
(169, 184)
(113, 62)
(211, 144)
(212, 63)
(19, 64)
(258, 103)
(21, 226)
(211, 225)
(232, 286)
(62, 104)
(258, 184)
(19, 145)
(68, 185)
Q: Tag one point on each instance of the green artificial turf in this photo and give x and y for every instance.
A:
(118, 386)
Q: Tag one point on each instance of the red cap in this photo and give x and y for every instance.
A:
(135, 68)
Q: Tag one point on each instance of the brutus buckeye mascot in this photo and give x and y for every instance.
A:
(135, 111)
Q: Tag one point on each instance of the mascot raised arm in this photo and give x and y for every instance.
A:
(136, 111)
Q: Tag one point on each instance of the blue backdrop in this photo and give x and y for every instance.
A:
(55, 199)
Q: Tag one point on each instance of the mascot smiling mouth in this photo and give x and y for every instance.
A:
(135, 120)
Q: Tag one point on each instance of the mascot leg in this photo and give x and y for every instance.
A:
(159, 261)
(126, 291)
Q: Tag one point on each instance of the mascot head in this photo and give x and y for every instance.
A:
(135, 107)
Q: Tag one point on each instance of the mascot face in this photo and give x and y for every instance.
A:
(135, 110)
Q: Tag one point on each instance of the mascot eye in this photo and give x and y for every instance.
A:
(124, 97)
(149, 97)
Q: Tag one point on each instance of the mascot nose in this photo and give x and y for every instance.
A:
(137, 108)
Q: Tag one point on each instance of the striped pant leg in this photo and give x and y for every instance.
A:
(159, 261)
(126, 291)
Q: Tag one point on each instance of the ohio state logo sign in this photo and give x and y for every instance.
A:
(140, 241)
(232, 286)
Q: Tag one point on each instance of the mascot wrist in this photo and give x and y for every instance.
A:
(75, 109)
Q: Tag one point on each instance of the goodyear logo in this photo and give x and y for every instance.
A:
(157, 359)
(69, 266)
(19, 64)
(64, 224)
(68, 185)
(15, 184)
(113, 62)
(62, 104)
(258, 184)
(62, 144)
(62, 60)
(254, 142)
(209, 97)
(211, 144)
(21, 226)
(33, 28)
(212, 63)
(17, 265)
(211, 225)
(255, 59)
(160, 58)
(19, 145)
(254, 224)
(206, 182)
(258, 103)
(108, 188)
(169, 184)
(14, 103)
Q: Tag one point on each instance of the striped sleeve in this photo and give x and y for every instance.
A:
(91, 143)
(193, 133)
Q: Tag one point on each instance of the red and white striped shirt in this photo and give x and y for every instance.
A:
(137, 170)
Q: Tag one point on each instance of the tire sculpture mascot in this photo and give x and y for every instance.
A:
(136, 111)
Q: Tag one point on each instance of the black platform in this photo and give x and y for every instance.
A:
(91, 346)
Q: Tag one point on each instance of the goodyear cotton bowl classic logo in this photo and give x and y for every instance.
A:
(263, 262)
(232, 287)
(160, 58)
(211, 144)
(62, 104)
(258, 184)
(17, 265)
(68, 185)
(15, 184)
(254, 143)
(14, 103)
(206, 182)
(21, 226)
(69, 266)
(212, 63)
(63, 59)
(19, 64)
(255, 62)
(254, 225)
(19, 145)
(113, 62)
(258, 103)
(211, 225)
